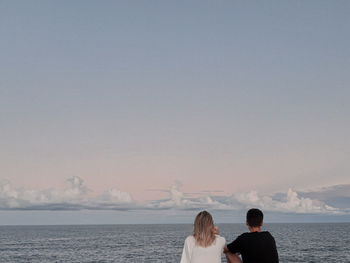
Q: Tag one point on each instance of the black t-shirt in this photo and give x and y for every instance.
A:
(255, 247)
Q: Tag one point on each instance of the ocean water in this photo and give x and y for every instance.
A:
(161, 243)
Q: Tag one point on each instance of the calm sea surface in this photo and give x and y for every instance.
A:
(161, 243)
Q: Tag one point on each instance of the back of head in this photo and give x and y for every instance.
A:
(255, 217)
(203, 230)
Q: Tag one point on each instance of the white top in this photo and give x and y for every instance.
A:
(193, 253)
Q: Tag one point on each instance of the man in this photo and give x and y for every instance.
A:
(256, 246)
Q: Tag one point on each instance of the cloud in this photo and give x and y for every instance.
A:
(76, 196)
(289, 202)
(72, 197)
(112, 199)
(283, 202)
(178, 200)
(337, 195)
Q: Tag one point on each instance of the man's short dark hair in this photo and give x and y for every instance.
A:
(254, 217)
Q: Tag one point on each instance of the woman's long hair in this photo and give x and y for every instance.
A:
(203, 230)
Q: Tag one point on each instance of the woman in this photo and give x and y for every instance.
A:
(204, 245)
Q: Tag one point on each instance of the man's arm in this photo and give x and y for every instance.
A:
(231, 258)
(232, 251)
(235, 246)
(226, 250)
(275, 253)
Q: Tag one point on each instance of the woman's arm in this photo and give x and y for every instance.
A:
(216, 230)
(187, 251)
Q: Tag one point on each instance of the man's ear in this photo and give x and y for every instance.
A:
(246, 222)
(261, 223)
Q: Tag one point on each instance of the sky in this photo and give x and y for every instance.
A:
(150, 111)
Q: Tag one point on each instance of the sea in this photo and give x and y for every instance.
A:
(321, 243)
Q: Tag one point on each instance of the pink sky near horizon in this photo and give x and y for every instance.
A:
(141, 174)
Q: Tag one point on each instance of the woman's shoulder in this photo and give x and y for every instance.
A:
(190, 239)
(220, 239)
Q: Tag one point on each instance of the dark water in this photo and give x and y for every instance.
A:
(160, 243)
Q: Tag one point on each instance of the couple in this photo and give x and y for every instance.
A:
(205, 245)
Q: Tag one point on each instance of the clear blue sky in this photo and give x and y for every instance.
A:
(228, 96)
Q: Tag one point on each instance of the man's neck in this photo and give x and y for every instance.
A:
(254, 229)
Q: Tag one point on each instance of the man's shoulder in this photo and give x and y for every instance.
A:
(268, 234)
(242, 238)
(244, 235)
(262, 234)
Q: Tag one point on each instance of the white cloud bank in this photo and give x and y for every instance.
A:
(289, 202)
(75, 196)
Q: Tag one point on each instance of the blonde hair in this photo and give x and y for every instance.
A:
(203, 230)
